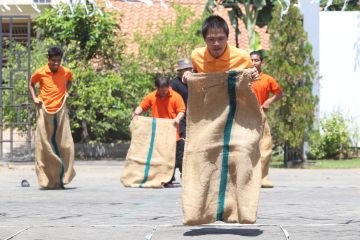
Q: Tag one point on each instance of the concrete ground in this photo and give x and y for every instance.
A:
(306, 204)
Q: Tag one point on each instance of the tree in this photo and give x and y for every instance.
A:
(96, 35)
(174, 40)
(290, 61)
(254, 13)
(340, 5)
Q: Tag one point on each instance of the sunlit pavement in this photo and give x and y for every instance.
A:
(306, 204)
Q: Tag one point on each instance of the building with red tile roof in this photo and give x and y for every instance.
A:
(137, 17)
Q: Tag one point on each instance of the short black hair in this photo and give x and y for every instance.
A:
(55, 51)
(162, 81)
(259, 53)
(214, 21)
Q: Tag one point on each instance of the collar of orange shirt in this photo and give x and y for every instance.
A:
(168, 95)
(224, 57)
(47, 69)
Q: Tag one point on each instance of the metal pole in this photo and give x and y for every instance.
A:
(1, 81)
(28, 78)
(11, 89)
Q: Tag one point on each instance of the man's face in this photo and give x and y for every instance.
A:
(216, 41)
(256, 61)
(54, 63)
(182, 71)
(163, 91)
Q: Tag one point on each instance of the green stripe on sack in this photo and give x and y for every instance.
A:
(56, 149)
(226, 147)
(151, 148)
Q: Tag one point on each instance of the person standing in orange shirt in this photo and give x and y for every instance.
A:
(164, 103)
(54, 81)
(54, 146)
(262, 90)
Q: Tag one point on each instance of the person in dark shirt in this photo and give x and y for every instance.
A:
(178, 84)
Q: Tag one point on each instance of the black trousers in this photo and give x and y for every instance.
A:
(179, 157)
(179, 154)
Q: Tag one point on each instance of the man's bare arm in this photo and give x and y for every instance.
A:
(271, 100)
(33, 94)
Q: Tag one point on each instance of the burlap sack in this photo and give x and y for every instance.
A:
(265, 150)
(221, 169)
(150, 161)
(54, 148)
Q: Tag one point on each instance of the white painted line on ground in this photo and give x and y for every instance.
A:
(286, 233)
(150, 235)
(17, 233)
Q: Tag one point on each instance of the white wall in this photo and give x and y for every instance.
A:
(310, 10)
(339, 54)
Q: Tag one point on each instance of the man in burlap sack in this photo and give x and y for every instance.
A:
(54, 147)
(164, 103)
(179, 85)
(221, 170)
(262, 90)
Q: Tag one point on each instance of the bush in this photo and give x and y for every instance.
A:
(333, 139)
(101, 103)
(104, 95)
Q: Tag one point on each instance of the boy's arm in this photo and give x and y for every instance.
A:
(186, 76)
(137, 112)
(179, 116)
(180, 108)
(31, 87)
(271, 100)
(276, 90)
(254, 74)
(68, 85)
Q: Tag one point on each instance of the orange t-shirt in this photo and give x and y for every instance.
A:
(52, 86)
(264, 86)
(168, 107)
(232, 59)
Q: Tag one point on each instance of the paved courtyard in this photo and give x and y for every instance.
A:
(306, 204)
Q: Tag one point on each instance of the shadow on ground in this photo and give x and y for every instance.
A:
(218, 231)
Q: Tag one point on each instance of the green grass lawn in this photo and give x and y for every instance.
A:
(335, 164)
(323, 164)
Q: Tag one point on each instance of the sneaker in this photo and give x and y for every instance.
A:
(168, 185)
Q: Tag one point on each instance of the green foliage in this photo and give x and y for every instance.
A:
(338, 5)
(161, 51)
(333, 139)
(95, 34)
(102, 98)
(101, 104)
(97, 110)
(15, 105)
(290, 61)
